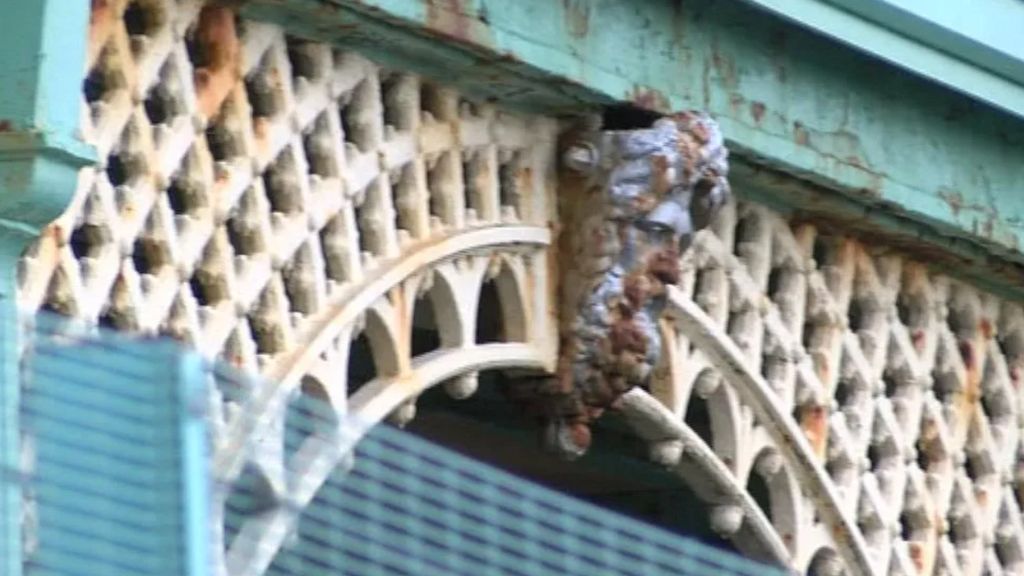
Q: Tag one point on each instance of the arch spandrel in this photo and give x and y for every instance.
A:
(896, 392)
(265, 199)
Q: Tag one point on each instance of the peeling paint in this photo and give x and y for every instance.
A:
(814, 422)
(577, 17)
(757, 110)
(217, 41)
(649, 99)
(800, 134)
(846, 122)
(101, 23)
(456, 20)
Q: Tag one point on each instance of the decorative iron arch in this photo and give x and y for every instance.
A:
(267, 199)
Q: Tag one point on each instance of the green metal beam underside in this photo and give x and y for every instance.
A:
(938, 165)
(973, 48)
(984, 32)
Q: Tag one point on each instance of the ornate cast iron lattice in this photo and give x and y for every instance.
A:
(268, 200)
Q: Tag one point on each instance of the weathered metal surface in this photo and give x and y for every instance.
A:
(40, 151)
(803, 201)
(788, 99)
(218, 230)
(967, 47)
(269, 200)
(643, 196)
(985, 32)
(221, 68)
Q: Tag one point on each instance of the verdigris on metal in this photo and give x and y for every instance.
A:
(643, 195)
(41, 68)
(787, 98)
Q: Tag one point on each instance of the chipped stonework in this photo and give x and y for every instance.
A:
(643, 194)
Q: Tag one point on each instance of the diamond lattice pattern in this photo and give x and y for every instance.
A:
(905, 382)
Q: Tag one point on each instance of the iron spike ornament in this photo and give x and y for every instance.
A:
(642, 195)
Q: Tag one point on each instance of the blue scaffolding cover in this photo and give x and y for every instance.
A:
(116, 481)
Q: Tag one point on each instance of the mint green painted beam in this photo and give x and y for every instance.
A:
(973, 48)
(950, 168)
(41, 73)
(42, 55)
(987, 33)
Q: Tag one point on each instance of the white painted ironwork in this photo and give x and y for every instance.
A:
(268, 200)
(875, 402)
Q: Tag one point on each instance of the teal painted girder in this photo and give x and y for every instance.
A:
(946, 167)
(986, 33)
(41, 71)
(974, 47)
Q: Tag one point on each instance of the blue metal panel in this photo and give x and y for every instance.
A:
(195, 458)
(42, 56)
(10, 445)
(411, 507)
(119, 477)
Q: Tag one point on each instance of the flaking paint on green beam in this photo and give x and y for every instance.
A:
(789, 99)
